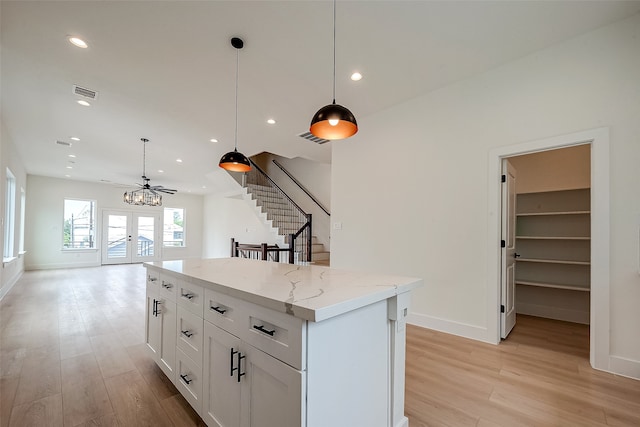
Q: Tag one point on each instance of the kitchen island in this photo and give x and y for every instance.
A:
(264, 344)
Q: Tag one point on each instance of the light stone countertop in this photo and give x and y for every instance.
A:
(312, 293)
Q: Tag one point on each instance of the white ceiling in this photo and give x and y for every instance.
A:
(165, 70)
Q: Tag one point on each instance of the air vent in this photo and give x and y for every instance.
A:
(311, 137)
(65, 143)
(84, 92)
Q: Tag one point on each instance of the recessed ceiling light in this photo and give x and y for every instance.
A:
(179, 160)
(68, 176)
(160, 171)
(83, 102)
(213, 140)
(69, 167)
(78, 42)
(271, 122)
(72, 156)
(356, 76)
(204, 186)
(75, 138)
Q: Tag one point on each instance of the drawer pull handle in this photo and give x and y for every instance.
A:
(155, 307)
(187, 333)
(219, 310)
(187, 296)
(186, 379)
(152, 279)
(240, 357)
(261, 328)
(233, 353)
(167, 285)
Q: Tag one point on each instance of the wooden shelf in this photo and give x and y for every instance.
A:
(554, 213)
(552, 285)
(553, 261)
(553, 238)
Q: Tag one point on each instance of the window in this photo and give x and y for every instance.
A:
(9, 215)
(22, 216)
(173, 230)
(79, 224)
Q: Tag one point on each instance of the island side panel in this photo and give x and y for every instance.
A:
(348, 367)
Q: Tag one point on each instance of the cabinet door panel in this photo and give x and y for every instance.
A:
(271, 392)
(167, 351)
(221, 394)
(152, 326)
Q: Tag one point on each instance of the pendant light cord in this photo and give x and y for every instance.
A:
(235, 145)
(144, 157)
(334, 51)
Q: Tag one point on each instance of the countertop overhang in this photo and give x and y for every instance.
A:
(313, 293)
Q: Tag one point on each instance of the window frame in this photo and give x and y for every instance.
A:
(93, 230)
(8, 247)
(184, 227)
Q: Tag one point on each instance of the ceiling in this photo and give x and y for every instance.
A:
(165, 70)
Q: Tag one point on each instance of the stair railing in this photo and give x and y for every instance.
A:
(282, 211)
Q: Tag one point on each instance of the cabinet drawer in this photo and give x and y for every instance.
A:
(223, 311)
(190, 334)
(191, 297)
(167, 287)
(275, 333)
(189, 380)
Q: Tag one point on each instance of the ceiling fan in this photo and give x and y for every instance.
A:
(147, 194)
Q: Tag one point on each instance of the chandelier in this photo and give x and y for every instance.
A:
(146, 195)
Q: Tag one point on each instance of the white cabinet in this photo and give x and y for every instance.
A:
(247, 354)
(247, 387)
(160, 330)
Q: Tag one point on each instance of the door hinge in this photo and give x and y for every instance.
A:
(503, 244)
(501, 308)
(504, 178)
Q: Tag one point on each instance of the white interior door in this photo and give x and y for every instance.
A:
(508, 262)
(130, 237)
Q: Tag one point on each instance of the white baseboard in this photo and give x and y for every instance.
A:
(62, 265)
(7, 286)
(450, 327)
(575, 316)
(625, 367)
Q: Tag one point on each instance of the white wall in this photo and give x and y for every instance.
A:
(426, 213)
(12, 270)
(45, 203)
(553, 170)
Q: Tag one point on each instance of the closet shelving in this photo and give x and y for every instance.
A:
(553, 239)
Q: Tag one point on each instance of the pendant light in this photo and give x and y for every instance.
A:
(235, 161)
(334, 121)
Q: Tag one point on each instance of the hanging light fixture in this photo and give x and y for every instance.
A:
(235, 161)
(146, 195)
(334, 121)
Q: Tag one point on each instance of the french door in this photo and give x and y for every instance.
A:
(130, 237)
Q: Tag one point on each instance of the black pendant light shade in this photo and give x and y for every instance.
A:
(234, 161)
(333, 121)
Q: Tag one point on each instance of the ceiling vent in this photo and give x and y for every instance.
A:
(65, 143)
(84, 92)
(311, 137)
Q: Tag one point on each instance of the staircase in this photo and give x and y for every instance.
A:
(286, 219)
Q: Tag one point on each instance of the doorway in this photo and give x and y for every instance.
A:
(598, 139)
(546, 227)
(130, 237)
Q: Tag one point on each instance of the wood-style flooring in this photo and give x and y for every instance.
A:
(72, 354)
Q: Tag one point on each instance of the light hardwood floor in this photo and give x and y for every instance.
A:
(72, 353)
